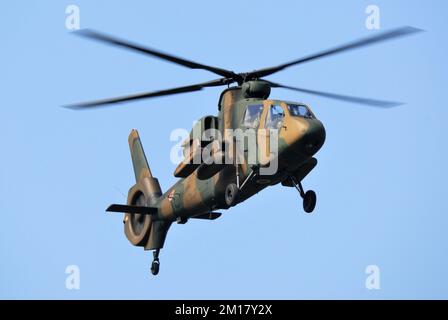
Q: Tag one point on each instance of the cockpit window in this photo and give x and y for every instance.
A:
(275, 117)
(299, 110)
(252, 115)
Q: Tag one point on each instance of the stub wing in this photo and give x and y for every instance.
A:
(208, 216)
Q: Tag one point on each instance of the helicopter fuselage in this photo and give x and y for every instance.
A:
(297, 138)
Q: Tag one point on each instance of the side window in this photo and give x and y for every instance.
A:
(299, 111)
(275, 117)
(252, 115)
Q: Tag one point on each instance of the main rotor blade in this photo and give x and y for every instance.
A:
(352, 99)
(95, 35)
(145, 95)
(388, 35)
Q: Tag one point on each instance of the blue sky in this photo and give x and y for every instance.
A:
(380, 181)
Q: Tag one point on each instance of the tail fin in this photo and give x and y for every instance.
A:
(141, 168)
(144, 231)
(148, 184)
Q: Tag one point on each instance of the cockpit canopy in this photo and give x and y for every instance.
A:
(275, 114)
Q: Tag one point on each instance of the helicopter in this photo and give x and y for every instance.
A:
(284, 133)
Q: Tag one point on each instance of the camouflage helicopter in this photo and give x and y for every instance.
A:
(205, 187)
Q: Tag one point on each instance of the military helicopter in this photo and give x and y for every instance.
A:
(207, 186)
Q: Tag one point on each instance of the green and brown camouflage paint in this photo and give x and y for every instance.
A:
(191, 196)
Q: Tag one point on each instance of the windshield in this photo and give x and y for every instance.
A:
(275, 117)
(252, 115)
(300, 110)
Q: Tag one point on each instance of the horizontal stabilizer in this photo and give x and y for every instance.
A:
(208, 216)
(131, 209)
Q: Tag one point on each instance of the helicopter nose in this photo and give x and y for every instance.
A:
(314, 136)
